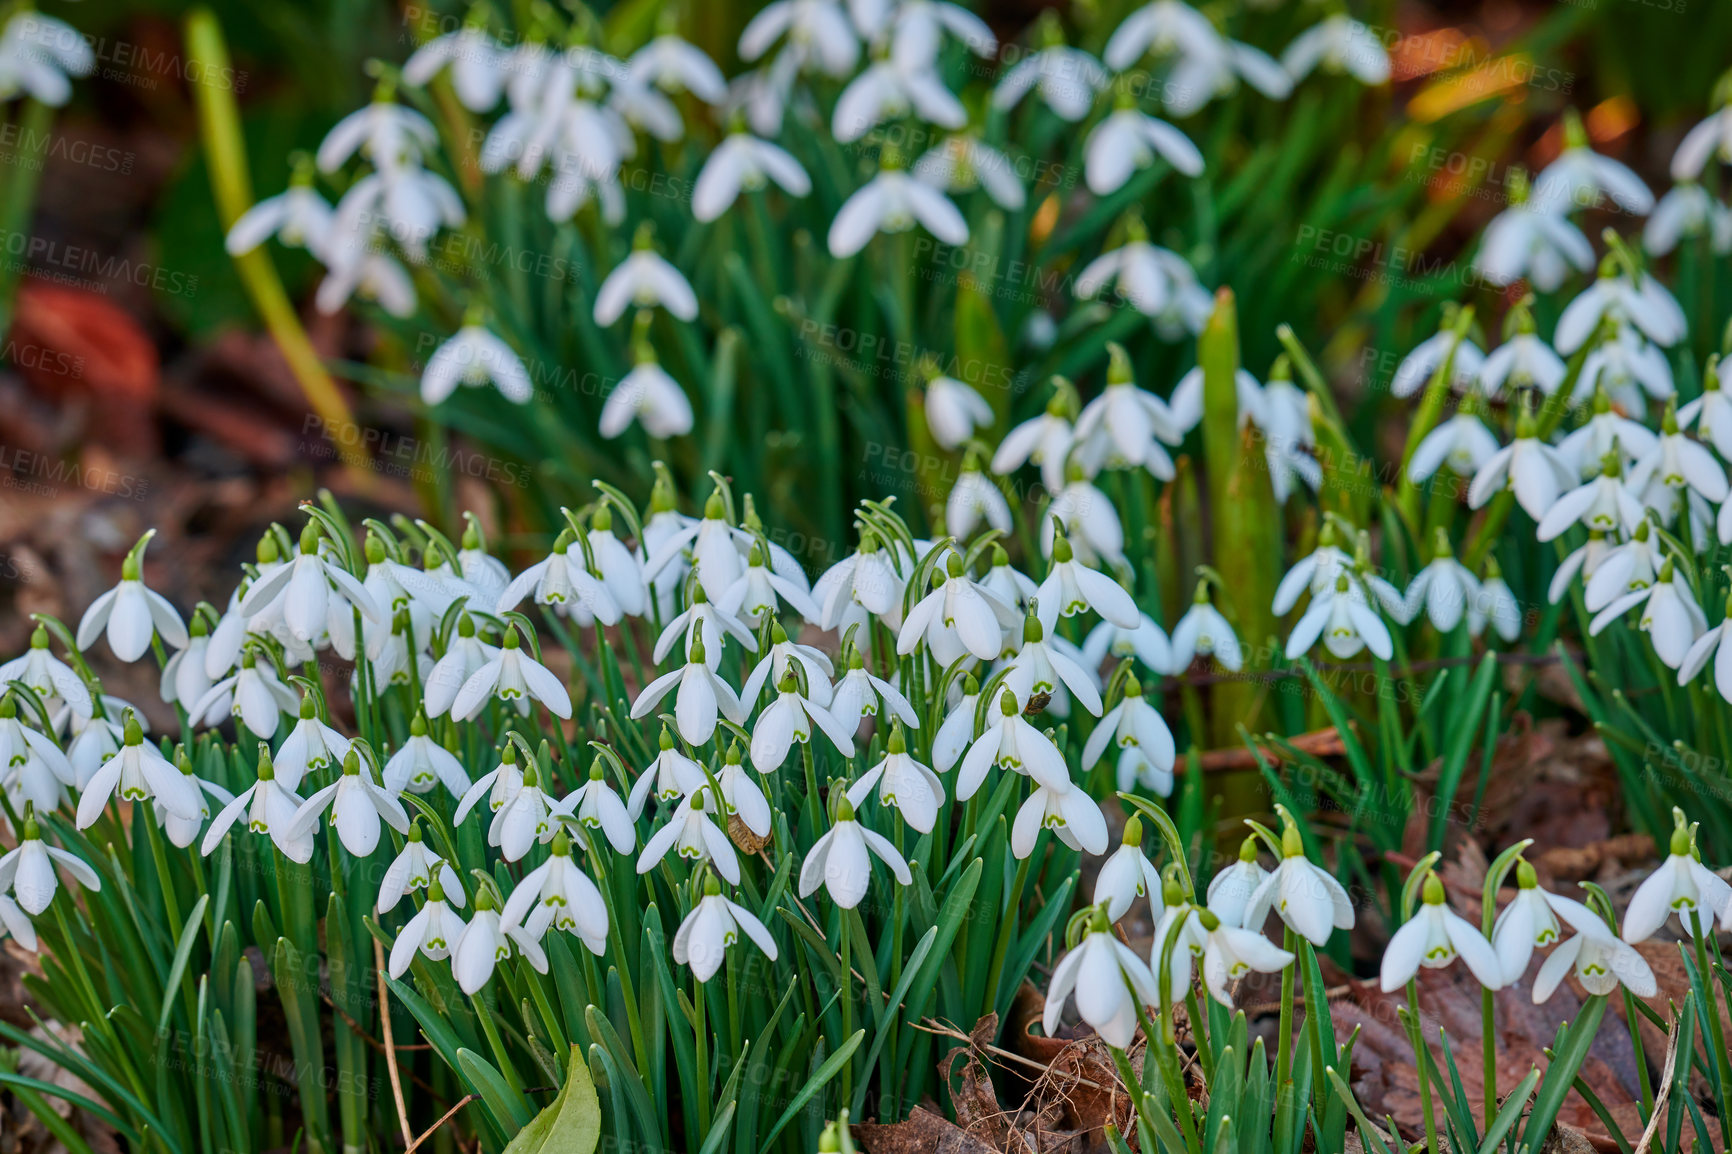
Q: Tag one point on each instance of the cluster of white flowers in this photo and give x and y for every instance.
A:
(574, 113)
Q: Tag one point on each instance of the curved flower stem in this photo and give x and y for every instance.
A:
(700, 1031)
(1488, 1050)
(847, 1006)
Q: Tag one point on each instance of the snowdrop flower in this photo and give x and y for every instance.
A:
(375, 276)
(953, 410)
(414, 869)
(1682, 885)
(386, 133)
(714, 924)
(713, 552)
(1646, 304)
(1231, 890)
(514, 678)
(759, 593)
(1339, 44)
(1446, 589)
(498, 785)
(1496, 604)
(775, 665)
(1130, 139)
(1579, 177)
(1687, 210)
(1066, 78)
(1203, 631)
(558, 894)
(1710, 139)
(184, 677)
(1626, 367)
(1603, 503)
(255, 693)
(962, 162)
(644, 279)
(1288, 438)
(431, 932)
(713, 624)
(1315, 573)
(742, 797)
(817, 30)
(956, 731)
(268, 808)
(1124, 425)
(859, 692)
(672, 774)
(1606, 432)
(1602, 962)
(1229, 953)
(1434, 937)
(1089, 517)
(890, 89)
(527, 816)
(744, 163)
(1676, 463)
(1128, 874)
(1463, 443)
(868, 578)
(701, 696)
(676, 66)
(1302, 894)
(475, 357)
(37, 54)
(1208, 64)
(1343, 618)
(478, 65)
(1147, 643)
(131, 613)
(407, 204)
(298, 217)
(33, 769)
(918, 26)
(28, 869)
(973, 499)
(1531, 240)
(1419, 366)
(1179, 941)
(183, 831)
(691, 834)
(891, 202)
(1526, 923)
(593, 805)
(1710, 413)
(51, 678)
(789, 719)
(1108, 981)
(1040, 669)
(1522, 360)
(488, 940)
(357, 806)
(957, 617)
(311, 745)
(1044, 441)
(1013, 744)
(1009, 584)
(309, 590)
(1145, 743)
(841, 860)
(561, 579)
(1533, 469)
(1153, 280)
(903, 784)
(1670, 616)
(465, 655)
(138, 772)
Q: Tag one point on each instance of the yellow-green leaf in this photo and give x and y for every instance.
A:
(571, 1123)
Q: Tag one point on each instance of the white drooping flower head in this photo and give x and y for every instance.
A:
(1339, 44)
(475, 357)
(27, 870)
(1128, 874)
(1581, 178)
(841, 860)
(37, 55)
(1434, 937)
(1300, 892)
(894, 201)
(1682, 886)
(1110, 982)
(131, 613)
(714, 924)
